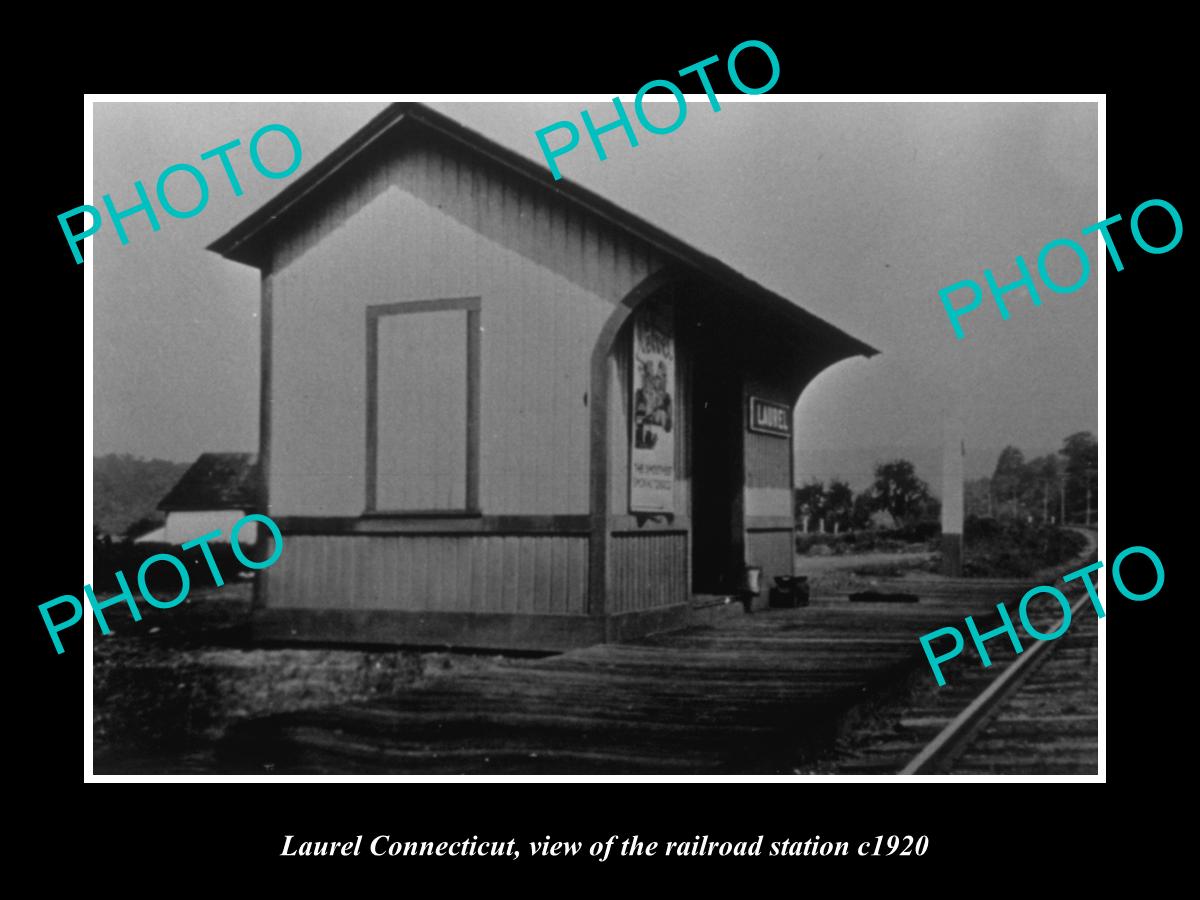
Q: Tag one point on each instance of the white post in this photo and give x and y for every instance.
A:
(953, 456)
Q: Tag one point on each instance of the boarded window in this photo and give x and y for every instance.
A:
(422, 406)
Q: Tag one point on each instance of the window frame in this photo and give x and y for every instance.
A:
(471, 306)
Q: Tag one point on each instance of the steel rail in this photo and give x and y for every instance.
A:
(940, 752)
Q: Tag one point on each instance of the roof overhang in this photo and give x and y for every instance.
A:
(250, 240)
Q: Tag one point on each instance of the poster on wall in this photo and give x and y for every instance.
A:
(652, 451)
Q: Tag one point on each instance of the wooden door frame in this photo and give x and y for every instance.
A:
(598, 402)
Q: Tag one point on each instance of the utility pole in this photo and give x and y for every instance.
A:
(1045, 502)
(1062, 503)
(1088, 518)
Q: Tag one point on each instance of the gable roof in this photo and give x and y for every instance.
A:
(216, 481)
(247, 241)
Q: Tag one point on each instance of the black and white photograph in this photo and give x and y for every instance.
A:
(765, 445)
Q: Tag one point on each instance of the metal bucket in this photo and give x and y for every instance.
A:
(751, 582)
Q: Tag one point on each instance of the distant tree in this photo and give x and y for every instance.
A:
(810, 500)
(126, 488)
(1009, 480)
(977, 498)
(928, 509)
(839, 503)
(864, 505)
(1081, 454)
(1040, 494)
(899, 491)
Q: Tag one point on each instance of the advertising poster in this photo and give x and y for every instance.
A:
(652, 451)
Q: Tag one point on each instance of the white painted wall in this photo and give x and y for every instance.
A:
(184, 526)
(430, 226)
(768, 501)
(421, 459)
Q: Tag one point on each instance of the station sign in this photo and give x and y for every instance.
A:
(770, 418)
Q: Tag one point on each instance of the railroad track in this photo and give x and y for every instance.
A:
(1039, 714)
(1032, 713)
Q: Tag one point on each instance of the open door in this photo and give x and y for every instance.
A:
(717, 468)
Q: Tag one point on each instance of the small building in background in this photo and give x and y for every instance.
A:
(500, 411)
(217, 491)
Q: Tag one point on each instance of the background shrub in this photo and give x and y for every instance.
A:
(1014, 549)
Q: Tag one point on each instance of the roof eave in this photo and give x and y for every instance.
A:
(237, 244)
(242, 242)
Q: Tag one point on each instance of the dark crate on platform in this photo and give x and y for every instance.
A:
(789, 592)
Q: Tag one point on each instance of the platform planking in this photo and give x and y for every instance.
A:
(753, 693)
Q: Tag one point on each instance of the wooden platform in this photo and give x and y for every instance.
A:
(749, 694)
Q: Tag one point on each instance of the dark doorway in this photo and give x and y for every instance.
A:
(717, 465)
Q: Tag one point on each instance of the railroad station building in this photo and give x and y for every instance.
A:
(499, 411)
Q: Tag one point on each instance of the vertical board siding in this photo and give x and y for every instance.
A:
(427, 221)
(774, 551)
(458, 573)
(768, 457)
(648, 570)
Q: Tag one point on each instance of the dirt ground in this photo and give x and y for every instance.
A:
(855, 571)
(166, 688)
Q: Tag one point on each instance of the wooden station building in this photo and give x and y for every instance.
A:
(499, 411)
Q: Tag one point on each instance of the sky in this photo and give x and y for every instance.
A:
(859, 212)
